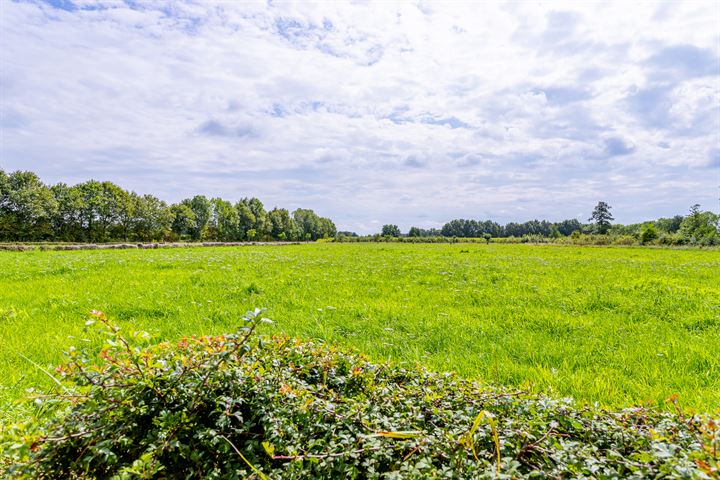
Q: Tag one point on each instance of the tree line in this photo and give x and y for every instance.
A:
(464, 228)
(696, 228)
(96, 211)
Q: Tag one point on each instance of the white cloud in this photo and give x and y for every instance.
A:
(401, 113)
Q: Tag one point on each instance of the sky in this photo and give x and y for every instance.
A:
(411, 113)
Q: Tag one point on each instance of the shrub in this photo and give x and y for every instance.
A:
(624, 240)
(708, 241)
(648, 233)
(671, 239)
(237, 406)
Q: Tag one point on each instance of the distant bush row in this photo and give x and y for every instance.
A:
(238, 406)
(664, 239)
(697, 228)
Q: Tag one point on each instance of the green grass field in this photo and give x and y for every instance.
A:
(618, 326)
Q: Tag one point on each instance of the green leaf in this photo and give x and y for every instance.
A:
(269, 448)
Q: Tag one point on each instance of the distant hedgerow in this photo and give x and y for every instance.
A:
(240, 406)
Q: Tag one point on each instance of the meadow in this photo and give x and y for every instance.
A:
(616, 326)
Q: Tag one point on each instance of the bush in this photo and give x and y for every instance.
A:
(708, 241)
(235, 406)
(648, 233)
(671, 239)
(624, 240)
(591, 239)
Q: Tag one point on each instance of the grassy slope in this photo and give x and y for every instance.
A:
(617, 326)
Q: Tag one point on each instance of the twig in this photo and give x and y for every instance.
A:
(534, 445)
(325, 455)
(72, 435)
(254, 469)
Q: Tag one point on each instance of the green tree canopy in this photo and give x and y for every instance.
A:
(699, 225)
(202, 209)
(225, 221)
(602, 217)
(27, 207)
(390, 230)
(283, 225)
(183, 219)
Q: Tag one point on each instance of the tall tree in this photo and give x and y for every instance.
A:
(567, 227)
(152, 219)
(4, 190)
(283, 225)
(670, 225)
(128, 217)
(262, 226)
(308, 223)
(327, 228)
(602, 217)
(27, 207)
(183, 220)
(103, 206)
(390, 230)
(225, 220)
(67, 221)
(246, 220)
(202, 209)
(699, 225)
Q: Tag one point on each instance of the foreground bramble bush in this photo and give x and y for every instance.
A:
(236, 406)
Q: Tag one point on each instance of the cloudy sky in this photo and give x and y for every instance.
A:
(370, 113)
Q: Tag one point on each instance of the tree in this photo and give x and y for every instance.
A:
(308, 223)
(390, 231)
(602, 217)
(669, 225)
(327, 228)
(262, 225)
(283, 226)
(699, 225)
(90, 193)
(103, 206)
(491, 228)
(225, 220)
(128, 217)
(246, 220)
(152, 219)
(183, 219)
(202, 209)
(456, 228)
(27, 207)
(414, 232)
(114, 203)
(692, 222)
(67, 221)
(567, 227)
(513, 229)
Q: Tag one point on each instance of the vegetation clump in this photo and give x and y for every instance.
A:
(239, 406)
